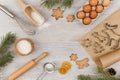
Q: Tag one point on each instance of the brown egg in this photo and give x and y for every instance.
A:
(93, 2)
(99, 8)
(80, 15)
(86, 21)
(93, 14)
(106, 3)
(87, 8)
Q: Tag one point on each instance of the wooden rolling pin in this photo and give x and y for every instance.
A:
(26, 67)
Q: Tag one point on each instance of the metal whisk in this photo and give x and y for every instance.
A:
(28, 29)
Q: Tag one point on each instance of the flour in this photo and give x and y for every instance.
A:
(49, 67)
(24, 46)
(37, 18)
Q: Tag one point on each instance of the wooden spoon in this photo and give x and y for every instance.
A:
(37, 19)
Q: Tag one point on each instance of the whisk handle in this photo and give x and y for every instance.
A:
(5, 10)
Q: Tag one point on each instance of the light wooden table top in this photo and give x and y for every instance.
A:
(59, 40)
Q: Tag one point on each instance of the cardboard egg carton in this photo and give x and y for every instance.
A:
(91, 10)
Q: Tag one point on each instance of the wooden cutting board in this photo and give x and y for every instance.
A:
(103, 39)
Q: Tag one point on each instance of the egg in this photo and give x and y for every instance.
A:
(87, 8)
(87, 20)
(93, 14)
(80, 15)
(106, 3)
(93, 2)
(99, 8)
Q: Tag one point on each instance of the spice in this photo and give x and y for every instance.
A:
(62, 70)
(65, 67)
(112, 71)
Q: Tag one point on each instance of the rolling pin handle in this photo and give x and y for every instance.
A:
(26, 67)
(43, 55)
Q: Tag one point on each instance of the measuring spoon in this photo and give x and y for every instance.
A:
(48, 68)
(32, 13)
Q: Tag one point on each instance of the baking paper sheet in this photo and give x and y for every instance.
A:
(103, 42)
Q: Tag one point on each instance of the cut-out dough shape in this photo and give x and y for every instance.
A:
(98, 48)
(87, 42)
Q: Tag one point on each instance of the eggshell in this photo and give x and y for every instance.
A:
(106, 3)
(99, 8)
(93, 14)
(87, 20)
(93, 2)
(80, 15)
(87, 8)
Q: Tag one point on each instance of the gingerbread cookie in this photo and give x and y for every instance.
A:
(73, 57)
(82, 63)
(57, 13)
(70, 18)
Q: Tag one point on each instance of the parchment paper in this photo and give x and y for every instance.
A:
(103, 42)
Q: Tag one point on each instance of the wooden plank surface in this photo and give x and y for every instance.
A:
(60, 39)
